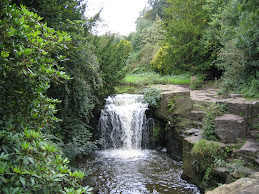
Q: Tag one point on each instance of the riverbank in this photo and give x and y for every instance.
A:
(236, 131)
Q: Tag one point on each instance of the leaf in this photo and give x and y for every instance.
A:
(15, 190)
(31, 160)
(22, 180)
(32, 181)
(3, 179)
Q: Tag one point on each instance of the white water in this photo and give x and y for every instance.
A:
(123, 122)
(123, 167)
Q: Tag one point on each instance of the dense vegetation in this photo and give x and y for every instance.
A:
(55, 74)
(206, 38)
(50, 72)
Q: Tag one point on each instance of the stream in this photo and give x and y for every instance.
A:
(124, 166)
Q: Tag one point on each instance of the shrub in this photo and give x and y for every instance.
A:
(29, 162)
(152, 96)
(210, 112)
(206, 152)
(196, 82)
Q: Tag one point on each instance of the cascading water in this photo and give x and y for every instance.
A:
(123, 167)
(123, 121)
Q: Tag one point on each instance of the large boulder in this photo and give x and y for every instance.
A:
(231, 128)
(242, 186)
(250, 151)
(179, 96)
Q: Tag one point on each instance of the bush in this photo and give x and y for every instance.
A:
(196, 82)
(29, 162)
(210, 112)
(152, 96)
(205, 152)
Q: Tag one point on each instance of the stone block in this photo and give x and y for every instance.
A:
(196, 115)
(181, 98)
(231, 128)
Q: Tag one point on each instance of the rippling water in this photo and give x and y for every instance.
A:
(137, 171)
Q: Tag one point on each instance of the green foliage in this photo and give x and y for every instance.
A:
(81, 94)
(236, 23)
(146, 42)
(157, 9)
(206, 149)
(112, 57)
(161, 63)
(155, 78)
(29, 63)
(196, 82)
(27, 68)
(184, 23)
(206, 152)
(210, 112)
(31, 163)
(55, 13)
(171, 105)
(152, 96)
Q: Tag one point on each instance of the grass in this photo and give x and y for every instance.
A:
(154, 78)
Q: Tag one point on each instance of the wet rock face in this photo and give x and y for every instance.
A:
(231, 128)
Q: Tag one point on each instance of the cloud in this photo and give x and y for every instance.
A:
(119, 15)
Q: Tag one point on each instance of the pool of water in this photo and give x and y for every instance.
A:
(137, 171)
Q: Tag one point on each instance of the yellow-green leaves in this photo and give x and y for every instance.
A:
(5, 54)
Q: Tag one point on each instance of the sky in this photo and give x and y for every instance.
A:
(118, 16)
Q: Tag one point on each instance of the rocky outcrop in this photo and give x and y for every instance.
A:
(184, 125)
(248, 185)
(179, 96)
(231, 128)
(190, 166)
(235, 103)
(250, 151)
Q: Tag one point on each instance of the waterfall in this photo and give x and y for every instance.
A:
(123, 121)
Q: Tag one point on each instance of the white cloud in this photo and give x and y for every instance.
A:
(119, 15)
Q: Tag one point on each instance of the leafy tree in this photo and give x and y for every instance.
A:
(54, 12)
(160, 62)
(80, 95)
(239, 55)
(141, 24)
(112, 56)
(157, 9)
(149, 41)
(29, 162)
(184, 22)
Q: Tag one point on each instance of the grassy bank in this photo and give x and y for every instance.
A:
(133, 83)
(153, 78)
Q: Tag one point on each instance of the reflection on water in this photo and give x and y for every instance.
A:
(137, 171)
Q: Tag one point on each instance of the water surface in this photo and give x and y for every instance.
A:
(137, 171)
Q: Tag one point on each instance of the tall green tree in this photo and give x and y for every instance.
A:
(157, 9)
(238, 57)
(81, 94)
(184, 22)
(146, 42)
(29, 162)
(112, 57)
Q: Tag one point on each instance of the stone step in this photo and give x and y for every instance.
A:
(249, 151)
(231, 128)
(247, 109)
(196, 115)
